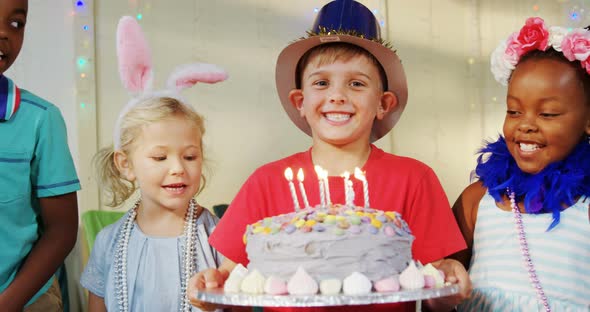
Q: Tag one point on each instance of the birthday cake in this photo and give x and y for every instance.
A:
(330, 242)
(330, 248)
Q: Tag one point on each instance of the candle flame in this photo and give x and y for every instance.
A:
(322, 174)
(289, 174)
(359, 174)
(300, 175)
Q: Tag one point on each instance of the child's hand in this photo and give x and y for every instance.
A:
(210, 278)
(455, 273)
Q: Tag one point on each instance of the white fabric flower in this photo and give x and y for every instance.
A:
(556, 35)
(501, 64)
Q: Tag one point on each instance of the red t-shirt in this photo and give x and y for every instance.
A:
(395, 183)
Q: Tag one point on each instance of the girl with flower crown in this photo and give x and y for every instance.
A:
(526, 221)
(143, 261)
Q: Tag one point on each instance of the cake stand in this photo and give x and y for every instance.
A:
(218, 296)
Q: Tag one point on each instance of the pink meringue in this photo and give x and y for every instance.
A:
(432, 277)
(302, 284)
(429, 281)
(388, 284)
(275, 286)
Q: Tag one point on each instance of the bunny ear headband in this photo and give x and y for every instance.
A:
(136, 71)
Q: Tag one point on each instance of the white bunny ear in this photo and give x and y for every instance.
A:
(133, 53)
(186, 76)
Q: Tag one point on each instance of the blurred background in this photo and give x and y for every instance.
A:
(454, 104)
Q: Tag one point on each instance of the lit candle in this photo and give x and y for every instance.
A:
(289, 177)
(327, 187)
(361, 176)
(351, 192)
(319, 171)
(346, 175)
(301, 188)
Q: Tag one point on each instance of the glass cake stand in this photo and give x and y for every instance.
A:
(217, 296)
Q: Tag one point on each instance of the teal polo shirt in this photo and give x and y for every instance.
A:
(35, 161)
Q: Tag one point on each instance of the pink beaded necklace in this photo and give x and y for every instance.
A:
(524, 248)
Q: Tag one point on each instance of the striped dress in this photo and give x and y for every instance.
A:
(561, 258)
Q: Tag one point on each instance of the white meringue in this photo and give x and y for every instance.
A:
(411, 277)
(330, 286)
(233, 282)
(253, 283)
(356, 284)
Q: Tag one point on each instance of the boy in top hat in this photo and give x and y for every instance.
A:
(346, 89)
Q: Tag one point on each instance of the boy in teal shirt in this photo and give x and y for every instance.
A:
(38, 184)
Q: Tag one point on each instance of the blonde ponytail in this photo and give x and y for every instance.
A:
(110, 179)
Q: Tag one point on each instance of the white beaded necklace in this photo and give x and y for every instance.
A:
(189, 255)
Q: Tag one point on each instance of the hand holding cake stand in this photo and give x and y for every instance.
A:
(289, 254)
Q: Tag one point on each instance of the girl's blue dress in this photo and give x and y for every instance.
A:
(154, 266)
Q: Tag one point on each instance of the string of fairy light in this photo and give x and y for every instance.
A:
(575, 14)
(84, 49)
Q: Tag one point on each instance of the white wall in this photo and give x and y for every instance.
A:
(246, 125)
(454, 102)
(444, 45)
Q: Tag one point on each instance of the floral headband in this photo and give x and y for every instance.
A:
(534, 35)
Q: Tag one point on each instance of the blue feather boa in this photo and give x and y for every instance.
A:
(557, 186)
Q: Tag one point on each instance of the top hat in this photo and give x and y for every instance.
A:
(350, 22)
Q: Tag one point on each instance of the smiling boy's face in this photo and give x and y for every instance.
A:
(341, 99)
(13, 18)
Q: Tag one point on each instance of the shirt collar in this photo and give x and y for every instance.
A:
(9, 98)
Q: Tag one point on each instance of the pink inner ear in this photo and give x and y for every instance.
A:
(135, 66)
(185, 83)
(137, 78)
(194, 78)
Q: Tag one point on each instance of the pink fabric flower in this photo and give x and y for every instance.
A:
(576, 46)
(533, 35)
(513, 49)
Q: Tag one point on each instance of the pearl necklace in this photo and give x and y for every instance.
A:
(524, 248)
(189, 255)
